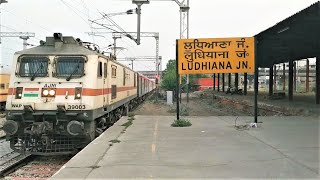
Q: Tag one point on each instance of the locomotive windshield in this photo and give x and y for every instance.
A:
(33, 67)
(70, 67)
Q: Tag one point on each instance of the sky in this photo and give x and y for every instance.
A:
(208, 19)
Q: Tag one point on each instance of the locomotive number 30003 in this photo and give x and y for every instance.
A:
(70, 107)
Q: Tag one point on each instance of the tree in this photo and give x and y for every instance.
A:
(169, 77)
(168, 81)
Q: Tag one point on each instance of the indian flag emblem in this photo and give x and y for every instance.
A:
(31, 92)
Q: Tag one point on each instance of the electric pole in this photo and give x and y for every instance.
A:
(139, 3)
(22, 35)
(184, 28)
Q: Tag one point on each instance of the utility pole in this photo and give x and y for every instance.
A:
(115, 37)
(184, 28)
(132, 64)
(22, 35)
(139, 3)
(133, 35)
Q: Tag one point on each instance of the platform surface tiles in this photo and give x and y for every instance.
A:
(281, 147)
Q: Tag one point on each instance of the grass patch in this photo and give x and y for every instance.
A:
(131, 118)
(172, 110)
(131, 114)
(127, 124)
(184, 111)
(115, 141)
(181, 123)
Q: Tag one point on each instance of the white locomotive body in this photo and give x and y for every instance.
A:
(63, 94)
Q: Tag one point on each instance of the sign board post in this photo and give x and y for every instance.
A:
(256, 84)
(215, 55)
(177, 81)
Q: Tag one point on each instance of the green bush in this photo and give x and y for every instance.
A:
(172, 110)
(184, 110)
(127, 124)
(181, 123)
(130, 114)
(131, 118)
(115, 141)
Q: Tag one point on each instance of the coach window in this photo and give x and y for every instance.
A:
(2, 86)
(105, 70)
(114, 71)
(113, 91)
(100, 69)
(135, 80)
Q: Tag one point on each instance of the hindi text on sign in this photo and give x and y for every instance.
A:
(220, 55)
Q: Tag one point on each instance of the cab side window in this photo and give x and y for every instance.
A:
(114, 71)
(100, 69)
(105, 70)
(113, 91)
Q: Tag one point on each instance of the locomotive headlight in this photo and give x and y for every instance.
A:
(52, 92)
(45, 92)
(19, 91)
(78, 93)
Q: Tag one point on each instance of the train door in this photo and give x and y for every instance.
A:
(100, 81)
(105, 84)
(138, 84)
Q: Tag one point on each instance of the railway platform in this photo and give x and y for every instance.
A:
(281, 147)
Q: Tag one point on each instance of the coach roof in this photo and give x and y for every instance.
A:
(68, 46)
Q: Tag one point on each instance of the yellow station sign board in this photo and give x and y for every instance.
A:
(218, 55)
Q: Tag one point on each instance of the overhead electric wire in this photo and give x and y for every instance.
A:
(78, 12)
(42, 27)
(8, 27)
(73, 9)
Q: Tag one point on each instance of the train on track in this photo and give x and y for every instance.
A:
(64, 93)
(4, 87)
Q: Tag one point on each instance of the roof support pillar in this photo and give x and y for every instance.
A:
(223, 82)
(229, 80)
(236, 80)
(284, 77)
(218, 82)
(275, 77)
(290, 90)
(295, 76)
(307, 76)
(271, 81)
(214, 81)
(245, 83)
(318, 80)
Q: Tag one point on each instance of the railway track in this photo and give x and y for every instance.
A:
(13, 161)
(247, 107)
(10, 160)
(40, 167)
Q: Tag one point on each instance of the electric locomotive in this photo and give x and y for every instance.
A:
(64, 93)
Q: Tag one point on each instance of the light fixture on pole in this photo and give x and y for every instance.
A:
(139, 3)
